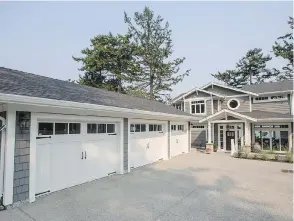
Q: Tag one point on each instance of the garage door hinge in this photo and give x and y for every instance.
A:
(112, 173)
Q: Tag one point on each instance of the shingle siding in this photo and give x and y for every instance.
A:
(222, 91)
(126, 143)
(21, 157)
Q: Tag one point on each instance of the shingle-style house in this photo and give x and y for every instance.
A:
(256, 115)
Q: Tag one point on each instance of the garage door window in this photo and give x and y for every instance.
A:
(74, 128)
(45, 129)
(159, 127)
(173, 127)
(180, 127)
(61, 128)
(143, 127)
(110, 128)
(101, 128)
(92, 128)
(155, 127)
(138, 128)
(151, 127)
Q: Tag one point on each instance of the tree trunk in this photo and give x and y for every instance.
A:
(151, 91)
(250, 79)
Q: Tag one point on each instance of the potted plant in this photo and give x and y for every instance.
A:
(215, 147)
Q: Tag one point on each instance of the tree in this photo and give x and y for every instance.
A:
(158, 71)
(109, 62)
(284, 49)
(251, 69)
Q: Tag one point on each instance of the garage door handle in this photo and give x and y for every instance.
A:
(42, 137)
(111, 134)
(82, 155)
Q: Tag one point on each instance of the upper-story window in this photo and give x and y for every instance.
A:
(270, 98)
(198, 107)
(178, 106)
(233, 104)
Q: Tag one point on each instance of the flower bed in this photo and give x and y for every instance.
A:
(288, 157)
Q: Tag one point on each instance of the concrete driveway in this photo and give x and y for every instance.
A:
(193, 186)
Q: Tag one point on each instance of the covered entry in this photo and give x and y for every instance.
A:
(228, 126)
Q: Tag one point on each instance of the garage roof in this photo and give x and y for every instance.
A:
(285, 85)
(27, 84)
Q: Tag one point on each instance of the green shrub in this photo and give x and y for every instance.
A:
(289, 157)
(264, 156)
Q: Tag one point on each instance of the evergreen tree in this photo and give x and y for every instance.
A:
(158, 71)
(284, 49)
(251, 69)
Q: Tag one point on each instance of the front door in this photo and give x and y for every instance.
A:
(229, 135)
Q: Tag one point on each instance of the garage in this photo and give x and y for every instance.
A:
(148, 142)
(198, 135)
(179, 138)
(70, 152)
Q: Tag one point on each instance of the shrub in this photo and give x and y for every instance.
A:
(264, 156)
(289, 157)
(215, 147)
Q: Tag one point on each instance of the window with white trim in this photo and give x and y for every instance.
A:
(138, 128)
(271, 98)
(178, 106)
(173, 127)
(198, 107)
(180, 127)
(198, 126)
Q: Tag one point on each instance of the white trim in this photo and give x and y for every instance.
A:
(219, 106)
(205, 105)
(198, 99)
(275, 119)
(227, 87)
(227, 121)
(121, 133)
(9, 155)
(2, 145)
(33, 148)
(269, 99)
(19, 99)
(196, 90)
(129, 144)
(225, 111)
(233, 99)
(238, 95)
(250, 103)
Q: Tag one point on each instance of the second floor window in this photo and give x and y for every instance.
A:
(198, 107)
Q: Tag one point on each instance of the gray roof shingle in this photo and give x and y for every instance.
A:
(265, 114)
(284, 85)
(27, 84)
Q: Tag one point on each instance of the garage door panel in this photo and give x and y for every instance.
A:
(179, 138)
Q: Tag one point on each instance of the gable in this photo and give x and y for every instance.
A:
(223, 91)
(199, 94)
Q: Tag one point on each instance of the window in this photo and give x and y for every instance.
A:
(173, 127)
(143, 127)
(150, 127)
(132, 128)
(270, 98)
(180, 127)
(198, 126)
(61, 128)
(45, 129)
(92, 128)
(110, 128)
(74, 128)
(159, 127)
(198, 107)
(101, 128)
(137, 127)
(233, 104)
(178, 106)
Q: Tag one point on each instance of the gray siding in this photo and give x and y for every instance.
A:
(195, 95)
(187, 107)
(21, 157)
(244, 104)
(278, 107)
(222, 91)
(215, 105)
(168, 141)
(208, 107)
(126, 143)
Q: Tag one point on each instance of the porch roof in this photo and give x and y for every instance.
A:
(253, 116)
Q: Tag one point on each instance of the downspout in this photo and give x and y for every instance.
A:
(2, 143)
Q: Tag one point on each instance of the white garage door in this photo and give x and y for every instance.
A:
(148, 142)
(71, 153)
(179, 138)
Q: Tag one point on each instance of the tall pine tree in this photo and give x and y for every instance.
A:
(158, 71)
(284, 48)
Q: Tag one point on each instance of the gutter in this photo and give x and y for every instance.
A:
(21, 99)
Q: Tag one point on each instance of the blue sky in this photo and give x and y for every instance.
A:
(41, 37)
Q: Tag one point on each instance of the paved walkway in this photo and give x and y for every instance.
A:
(189, 187)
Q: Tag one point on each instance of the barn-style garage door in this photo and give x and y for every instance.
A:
(71, 153)
(148, 142)
(179, 138)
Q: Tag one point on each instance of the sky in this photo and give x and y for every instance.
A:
(42, 37)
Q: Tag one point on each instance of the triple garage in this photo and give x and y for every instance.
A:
(81, 149)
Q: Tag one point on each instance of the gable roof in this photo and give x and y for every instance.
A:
(285, 85)
(15, 82)
(194, 90)
(230, 88)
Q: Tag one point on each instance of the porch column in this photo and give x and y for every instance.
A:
(9, 156)
(209, 132)
(247, 133)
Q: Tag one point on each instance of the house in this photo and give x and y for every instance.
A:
(258, 115)
(56, 134)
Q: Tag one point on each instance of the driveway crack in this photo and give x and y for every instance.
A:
(27, 214)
